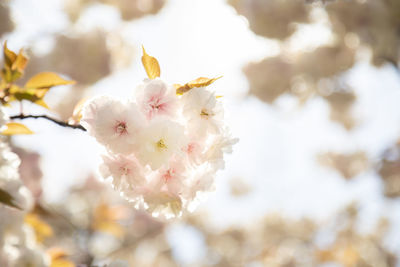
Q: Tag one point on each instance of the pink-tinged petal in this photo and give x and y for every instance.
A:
(155, 98)
(114, 123)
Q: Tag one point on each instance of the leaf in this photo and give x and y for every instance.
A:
(10, 76)
(199, 82)
(14, 64)
(20, 62)
(9, 56)
(14, 128)
(58, 258)
(26, 95)
(62, 263)
(42, 229)
(106, 218)
(7, 199)
(32, 95)
(151, 65)
(45, 80)
(41, 102)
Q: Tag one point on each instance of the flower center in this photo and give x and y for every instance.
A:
(161, 145)
(125, 170)
(205, 113)
(155, 103)
(167, 175)
(121, 128)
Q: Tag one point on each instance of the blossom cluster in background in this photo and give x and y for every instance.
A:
(18, 246)
(163, 148)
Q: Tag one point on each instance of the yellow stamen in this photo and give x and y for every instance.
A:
(161, 145)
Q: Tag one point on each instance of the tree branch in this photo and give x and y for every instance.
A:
(61, 123)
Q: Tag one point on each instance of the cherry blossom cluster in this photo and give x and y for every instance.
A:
(162, 149)
(18, 246)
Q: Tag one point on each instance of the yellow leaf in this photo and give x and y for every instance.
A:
(32, 95)
(14, 64)
(110, 227)
(9, 56)
(62, 263)
(106, 218)
(199, 82)
(41, 102)
(20, 62)
(41, 228)
(58, 258)
(41, 92)
(151, 65)
(14, 128)
(56, 253)
(45, 80)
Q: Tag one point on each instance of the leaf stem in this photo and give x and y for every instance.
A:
(58, 122)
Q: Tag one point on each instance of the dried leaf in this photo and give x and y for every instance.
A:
(7, 199)
(14, 128)
(45, 80)
(199, 82)
(151, 65)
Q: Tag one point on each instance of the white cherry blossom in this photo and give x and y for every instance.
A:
(114, 123)
(203, 111)
(159, 142)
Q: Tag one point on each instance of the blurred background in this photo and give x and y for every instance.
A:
(311, 89)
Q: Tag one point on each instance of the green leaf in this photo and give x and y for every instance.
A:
(7, 199)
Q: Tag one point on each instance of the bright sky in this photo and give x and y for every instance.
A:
(278, 144)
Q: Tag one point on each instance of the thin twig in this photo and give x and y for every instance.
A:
(59, 122)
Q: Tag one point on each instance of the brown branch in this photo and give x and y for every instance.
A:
(59, 122)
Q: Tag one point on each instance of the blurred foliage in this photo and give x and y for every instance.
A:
(376, 24)
(85, 59)
(6, 24)
(389, 170)
(83, 222)
(348, 165)
(273, 18)
(129, 9)
(353, 24)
